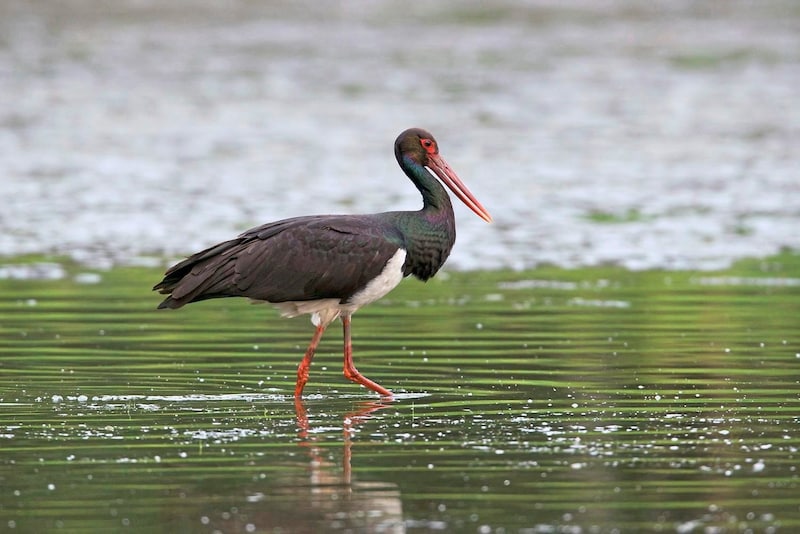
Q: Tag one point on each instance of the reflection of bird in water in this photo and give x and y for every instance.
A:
(346, 504)
(331, 265)
(325, 498)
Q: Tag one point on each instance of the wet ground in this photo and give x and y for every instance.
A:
(642, 134)
(577, 401)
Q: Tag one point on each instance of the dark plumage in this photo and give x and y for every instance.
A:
(330, 265)
(287, 260)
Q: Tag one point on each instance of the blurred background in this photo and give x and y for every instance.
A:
(643, 134)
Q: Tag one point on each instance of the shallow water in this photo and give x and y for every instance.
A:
(650, 135)
(594, 400)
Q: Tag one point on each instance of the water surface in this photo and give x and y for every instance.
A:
(551, 400)
(645, 134)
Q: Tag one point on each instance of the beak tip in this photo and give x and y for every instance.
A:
(483, 214)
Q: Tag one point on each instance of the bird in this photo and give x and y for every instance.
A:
(329, 266)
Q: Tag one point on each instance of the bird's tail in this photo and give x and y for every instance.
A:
(205, 275)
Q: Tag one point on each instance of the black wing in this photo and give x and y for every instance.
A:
(305, 258)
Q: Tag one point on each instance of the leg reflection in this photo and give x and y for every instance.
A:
(350, 423)
(332, 498)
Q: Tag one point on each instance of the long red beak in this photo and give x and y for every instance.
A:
(439, 166)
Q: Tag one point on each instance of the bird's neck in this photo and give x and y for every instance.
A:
(435, 200)
(430, 232)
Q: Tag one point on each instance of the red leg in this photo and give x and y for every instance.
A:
(302, 369)
(350, 370)
(302, 420)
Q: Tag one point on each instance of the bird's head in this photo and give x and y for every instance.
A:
(420, 146)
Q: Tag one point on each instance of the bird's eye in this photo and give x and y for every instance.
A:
(429, 145)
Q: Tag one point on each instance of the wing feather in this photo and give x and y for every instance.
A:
(305, 258)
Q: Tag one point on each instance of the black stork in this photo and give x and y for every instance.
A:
(331, 265)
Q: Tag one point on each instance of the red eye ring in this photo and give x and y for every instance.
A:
(429, 145)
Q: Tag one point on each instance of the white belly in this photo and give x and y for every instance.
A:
(390, 276)
(323, 311)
